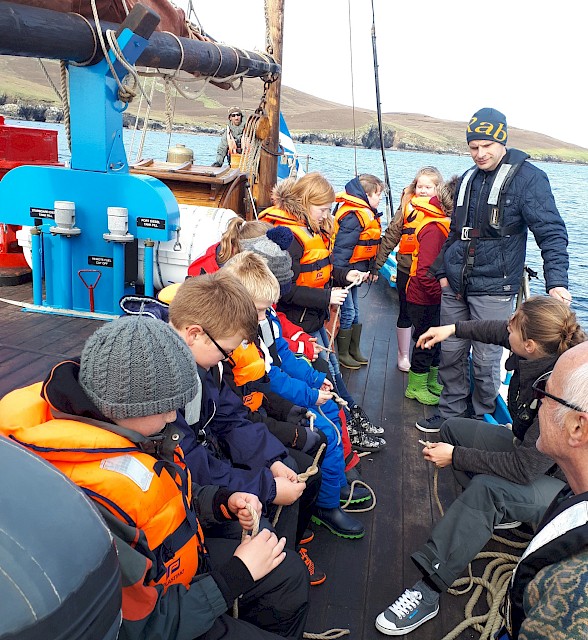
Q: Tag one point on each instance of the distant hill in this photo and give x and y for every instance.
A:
(309, 118)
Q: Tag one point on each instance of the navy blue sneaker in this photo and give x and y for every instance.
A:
(406, 614)
(430, 425)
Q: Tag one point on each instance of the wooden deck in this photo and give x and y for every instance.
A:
(363, 576)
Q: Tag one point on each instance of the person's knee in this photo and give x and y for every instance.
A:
(482, 493)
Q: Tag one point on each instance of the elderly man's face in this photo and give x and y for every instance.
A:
(549, 427)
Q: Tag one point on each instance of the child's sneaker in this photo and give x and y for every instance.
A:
(360, 421)
(430, 425)
(503, 526)
(316, 575)
(362, 441)
(406, 614)
(307, 536)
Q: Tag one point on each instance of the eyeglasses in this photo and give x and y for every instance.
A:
(539, 388)
(226, 354)
(235, 115)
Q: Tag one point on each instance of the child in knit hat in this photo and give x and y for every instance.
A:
(104, 422)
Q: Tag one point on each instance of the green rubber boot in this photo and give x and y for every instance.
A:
(343, 342)
(432, 382)
(354, 351)
(417, 389)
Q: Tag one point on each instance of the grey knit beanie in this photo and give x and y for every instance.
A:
(137, 366)
(279, 260)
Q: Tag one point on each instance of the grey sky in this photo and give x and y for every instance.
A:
(445, 59)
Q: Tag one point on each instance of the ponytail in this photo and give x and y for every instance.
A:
(550, 323)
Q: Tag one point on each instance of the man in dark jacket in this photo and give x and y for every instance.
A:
(497, 202)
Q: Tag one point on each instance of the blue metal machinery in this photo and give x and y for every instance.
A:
(82, 244)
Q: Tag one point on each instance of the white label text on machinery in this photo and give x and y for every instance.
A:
(151, 223)
(100, 261)
(38, 212)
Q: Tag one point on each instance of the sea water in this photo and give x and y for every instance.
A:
(341, 164)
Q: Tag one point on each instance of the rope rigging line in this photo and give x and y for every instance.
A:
(352, 87)
(389, 206)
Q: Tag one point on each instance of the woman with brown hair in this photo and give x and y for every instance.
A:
(304, 206)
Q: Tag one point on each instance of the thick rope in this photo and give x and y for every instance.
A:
(303, 477)
(331, 634)
(254, 532)
(347, 502)
(494, 580)
(251, 148)
(332, 336)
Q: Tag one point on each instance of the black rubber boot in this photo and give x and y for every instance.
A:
(339, 522)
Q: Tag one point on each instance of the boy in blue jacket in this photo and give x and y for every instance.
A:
(297, 381)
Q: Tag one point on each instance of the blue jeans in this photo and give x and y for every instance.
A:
(350, 309)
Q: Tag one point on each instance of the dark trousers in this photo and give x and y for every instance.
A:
(310, 494)
(403, 321)
(424, 317)
(276, 606)
(486, 501)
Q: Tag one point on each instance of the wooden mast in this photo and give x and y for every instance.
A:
(268, 164)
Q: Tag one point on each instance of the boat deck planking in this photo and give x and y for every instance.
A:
(363, 576)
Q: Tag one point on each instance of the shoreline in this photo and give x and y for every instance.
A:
(51, 114)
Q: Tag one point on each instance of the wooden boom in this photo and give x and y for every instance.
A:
(40, 33)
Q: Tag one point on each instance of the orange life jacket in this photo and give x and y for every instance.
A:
(415, 211)
(249, 367)
(371, 229)
(315, 264)
(428, 213)
(113, 472)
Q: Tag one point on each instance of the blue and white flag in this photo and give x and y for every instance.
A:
(288, 165)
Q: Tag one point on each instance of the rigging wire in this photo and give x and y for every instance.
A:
(352, 87)
(389, 206)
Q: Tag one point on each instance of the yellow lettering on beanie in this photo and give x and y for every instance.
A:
(500, 133)
(488, 129)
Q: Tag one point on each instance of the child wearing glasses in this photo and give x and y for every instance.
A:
(506, 480)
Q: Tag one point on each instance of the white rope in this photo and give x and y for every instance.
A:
(332, 334)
